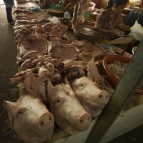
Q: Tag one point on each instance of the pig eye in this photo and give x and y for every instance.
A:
(58, 101)
(82, 86)
(20, 112)
(100, 96)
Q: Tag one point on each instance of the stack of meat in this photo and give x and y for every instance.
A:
(69, 92)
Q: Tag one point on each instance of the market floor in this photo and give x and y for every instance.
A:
(9, 91)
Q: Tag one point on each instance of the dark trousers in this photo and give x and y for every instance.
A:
(9, 14)
(133, 16)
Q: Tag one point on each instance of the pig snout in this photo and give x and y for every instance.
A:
(84, 121)
(45, 122)
(103, 97)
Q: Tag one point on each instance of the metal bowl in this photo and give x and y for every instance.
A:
(55, 12)
(87, 32)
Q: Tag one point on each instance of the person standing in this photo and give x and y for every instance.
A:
(9, 5)
(79, 11)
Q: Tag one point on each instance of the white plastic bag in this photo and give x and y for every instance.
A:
(54, 20)
(137, 31)
(67, 15)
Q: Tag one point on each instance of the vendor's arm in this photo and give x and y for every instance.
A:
(113, 31)
(123, 27)
(122, 40)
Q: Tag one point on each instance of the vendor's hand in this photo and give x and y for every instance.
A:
(117, 32)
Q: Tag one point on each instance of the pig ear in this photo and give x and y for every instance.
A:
(66, 81)
(31, 84)
(89, 75)
(49, 87)
(93, 70)
(34, 86)
(10, 106)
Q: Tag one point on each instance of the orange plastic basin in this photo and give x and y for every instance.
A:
(111, 58)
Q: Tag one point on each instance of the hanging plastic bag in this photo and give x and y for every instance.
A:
(137, 31)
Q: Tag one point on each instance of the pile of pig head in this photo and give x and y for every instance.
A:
(68, 113)
(87, 90)
(30, 118)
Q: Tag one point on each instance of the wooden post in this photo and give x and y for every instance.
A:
(125, 89)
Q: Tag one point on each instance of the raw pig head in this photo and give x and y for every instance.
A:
(30, 118)
(91, 97)
(66, 108)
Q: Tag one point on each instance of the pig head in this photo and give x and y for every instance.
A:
(91, 97)
(68, 113)
(30, 118)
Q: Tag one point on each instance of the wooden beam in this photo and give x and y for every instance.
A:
(125, 89)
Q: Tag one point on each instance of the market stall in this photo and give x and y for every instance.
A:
(52, 60)
(48, 50)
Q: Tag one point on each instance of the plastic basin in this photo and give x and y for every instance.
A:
(111, 58)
